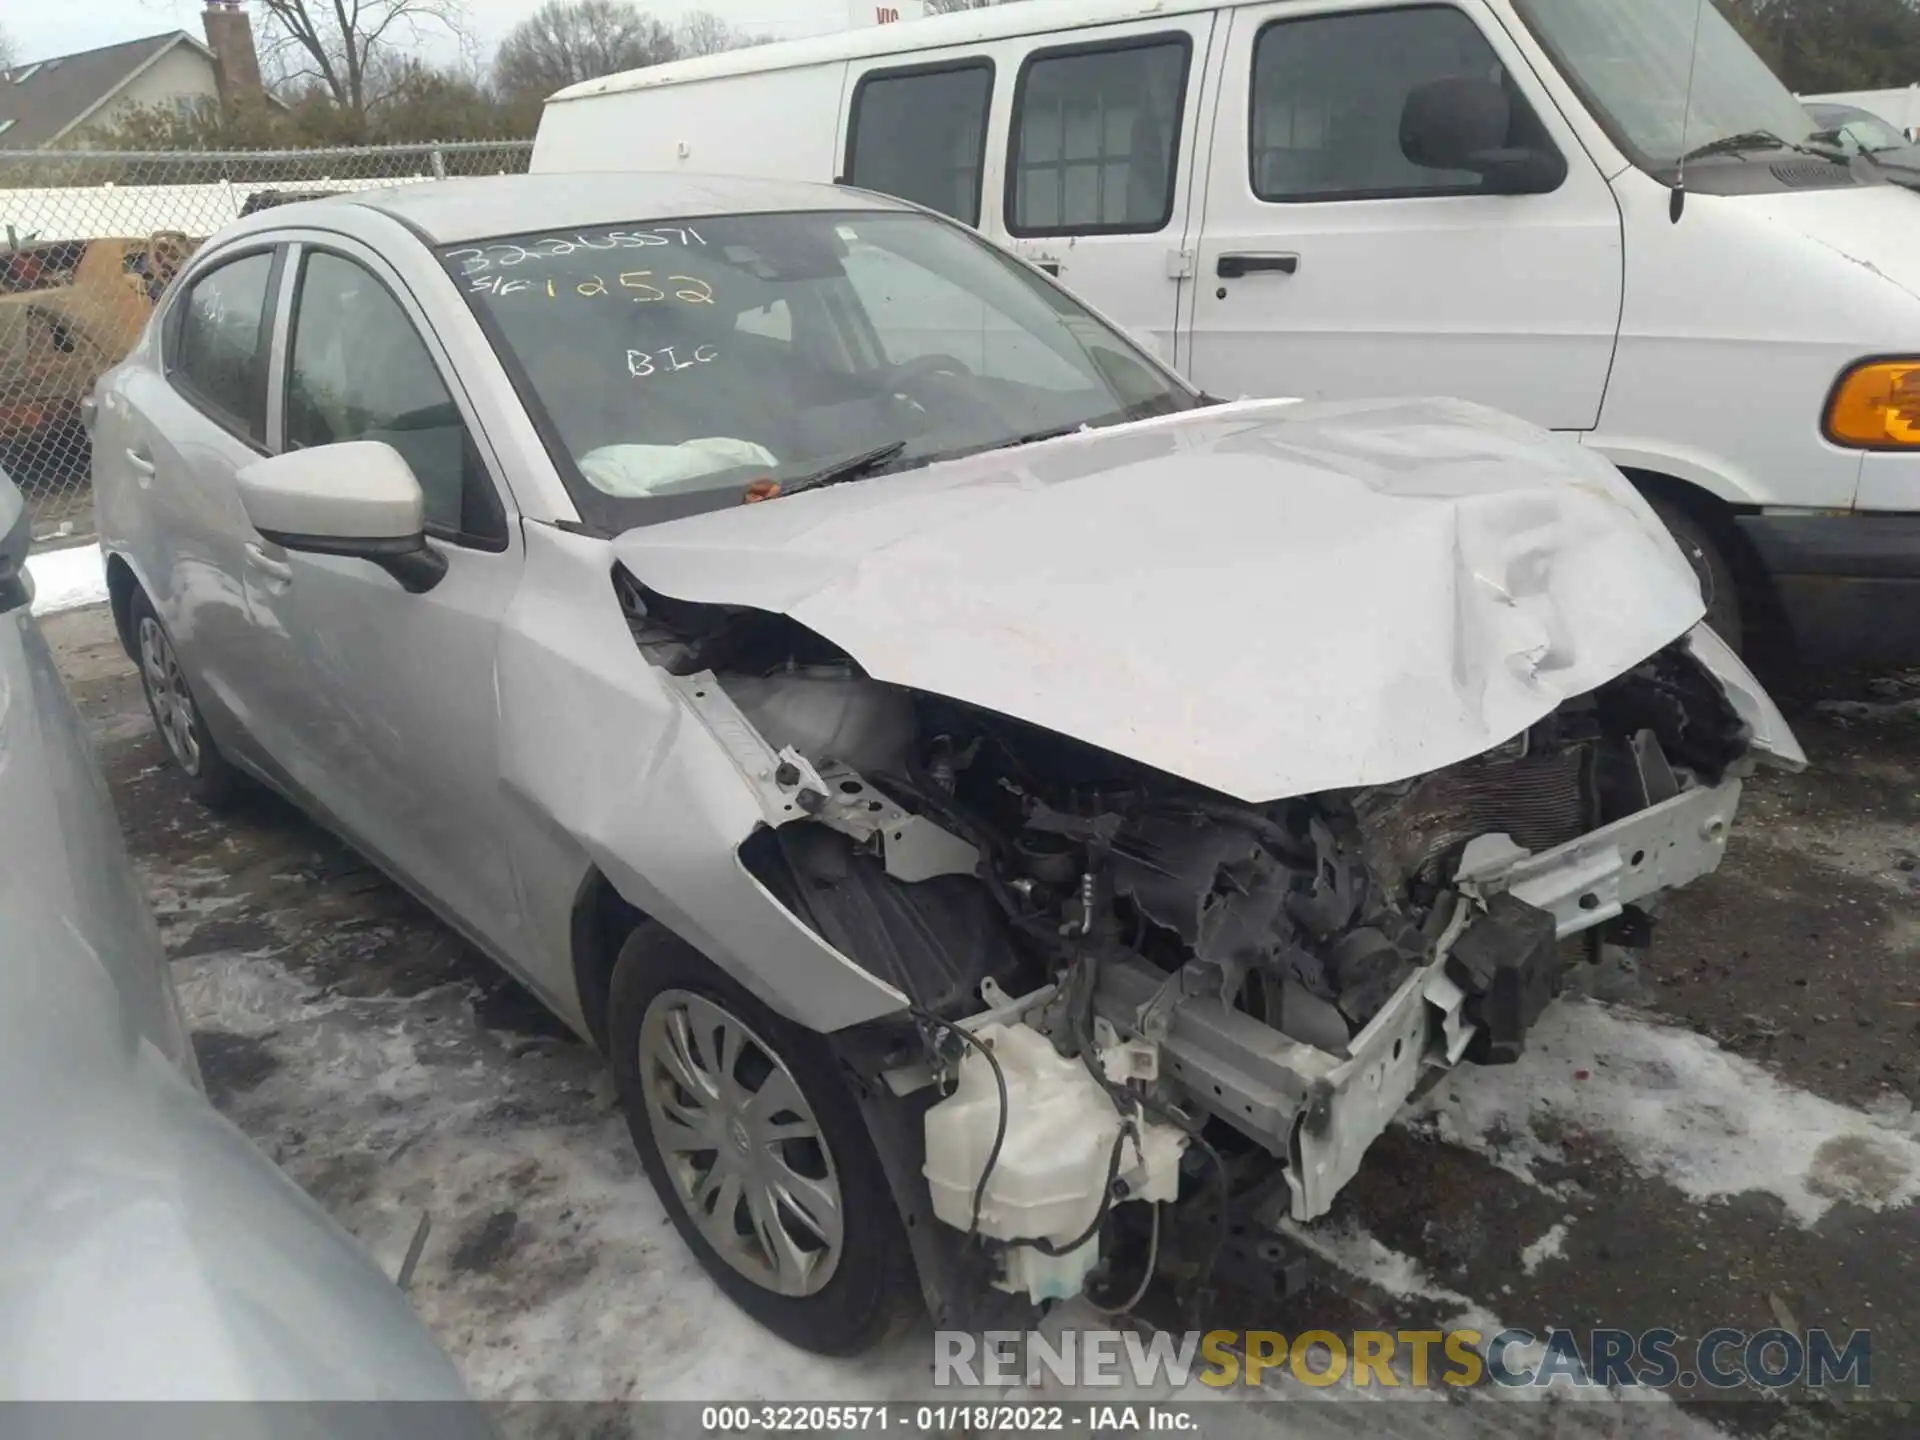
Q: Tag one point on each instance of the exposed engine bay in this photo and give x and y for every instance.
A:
(1125, 987)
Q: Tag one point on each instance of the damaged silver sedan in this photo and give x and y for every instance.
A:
(1016, 826)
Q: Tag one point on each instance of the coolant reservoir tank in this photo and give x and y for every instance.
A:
(1053, 1164)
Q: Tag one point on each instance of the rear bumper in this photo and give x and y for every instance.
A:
(1849, 584)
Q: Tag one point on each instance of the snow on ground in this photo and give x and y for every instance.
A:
(1357, 1253)
(64, 579)
(1675, 1106)
(1492, 1410)
(551, 1271)
(1550, 1246)
(524, 1174)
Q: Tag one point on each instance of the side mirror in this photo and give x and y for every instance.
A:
(1460, 123)
(357, 498)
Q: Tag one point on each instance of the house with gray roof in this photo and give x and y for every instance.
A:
(58, 102)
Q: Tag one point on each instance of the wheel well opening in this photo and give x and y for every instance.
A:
(602, 921)
(120, 591)
(1764, 618)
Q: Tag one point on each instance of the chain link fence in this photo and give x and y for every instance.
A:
(88, 242)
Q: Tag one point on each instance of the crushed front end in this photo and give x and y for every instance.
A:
(1121, 987)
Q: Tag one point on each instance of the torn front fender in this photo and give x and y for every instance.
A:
(615, 768)
(1772, 736)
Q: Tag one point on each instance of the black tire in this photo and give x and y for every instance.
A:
(1719, 587)
(872, 1291)
(210, 777)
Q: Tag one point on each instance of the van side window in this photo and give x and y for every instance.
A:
(921, 134)
(1095, 132)
(1328, 92)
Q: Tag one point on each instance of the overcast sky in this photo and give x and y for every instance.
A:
(60, 27)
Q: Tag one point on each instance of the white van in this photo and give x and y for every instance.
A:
(1370, 197)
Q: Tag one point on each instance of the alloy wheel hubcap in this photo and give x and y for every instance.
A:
(167, 691)
(741, 1143)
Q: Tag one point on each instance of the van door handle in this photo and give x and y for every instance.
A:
(1052, 267)
(1233, 267)
(275, 569)
(143, 468)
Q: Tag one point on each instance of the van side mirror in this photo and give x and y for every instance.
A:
(1460, 123)
(357, 498)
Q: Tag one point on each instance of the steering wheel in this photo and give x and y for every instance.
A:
(925, 367)
(951, 398)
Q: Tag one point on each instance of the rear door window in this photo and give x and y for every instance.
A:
(921, 134)
(219, 359)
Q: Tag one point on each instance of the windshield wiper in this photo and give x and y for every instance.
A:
(1032, 437)
(1745, 140)
(1832, 144)
(856, 467)
(1148, 409)
(852, 468)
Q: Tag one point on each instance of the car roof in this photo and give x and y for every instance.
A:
(451, 212)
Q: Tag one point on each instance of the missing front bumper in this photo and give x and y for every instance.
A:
(1320, 1112)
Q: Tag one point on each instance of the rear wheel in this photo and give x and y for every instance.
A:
(756, 1146)
(210, 778)
(1718, 586)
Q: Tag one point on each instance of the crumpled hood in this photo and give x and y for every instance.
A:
(1267, 599)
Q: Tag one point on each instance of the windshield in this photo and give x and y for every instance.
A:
(1857, 130)
(673, 366)
(1629, 59)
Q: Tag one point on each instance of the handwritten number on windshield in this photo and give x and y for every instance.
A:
(480, 259)
(637, 280)
(692, 290)
(642, 363)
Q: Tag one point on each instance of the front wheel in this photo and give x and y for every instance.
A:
(1718, 586)
(755, 1144)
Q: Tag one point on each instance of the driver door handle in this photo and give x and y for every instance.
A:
(275, 569)
(142, 467)
(1233, 267)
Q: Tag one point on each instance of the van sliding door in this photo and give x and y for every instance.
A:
(1098, 186)
(920, 132)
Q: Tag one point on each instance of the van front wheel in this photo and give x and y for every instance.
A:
(1718, 586)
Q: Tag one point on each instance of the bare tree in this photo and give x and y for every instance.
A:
(340, 45)
(701, 32)
(567, 41)
(8, 54)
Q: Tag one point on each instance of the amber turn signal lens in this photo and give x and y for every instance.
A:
(1877, 404)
